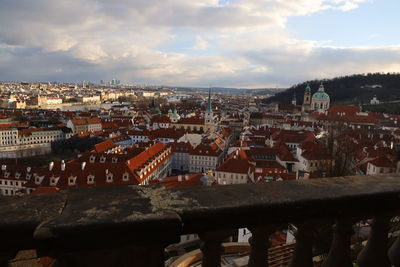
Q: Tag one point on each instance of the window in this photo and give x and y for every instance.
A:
(53, 181)
(71, 180)
(125, 177)
(109, 178)
(90, 179)
(103, 159)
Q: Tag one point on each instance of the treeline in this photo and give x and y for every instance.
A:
(388, 108)
(354, 89)
(75, 144)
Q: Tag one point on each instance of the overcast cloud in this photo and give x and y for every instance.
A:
(242, 43)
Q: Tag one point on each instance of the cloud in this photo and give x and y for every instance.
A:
(242, 42)
(201, 44)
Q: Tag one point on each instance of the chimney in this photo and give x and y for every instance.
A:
(51, 165)
(62, 165)
(179, 178)
(83, 165)
(3, 167)
(28, 169)
(187, 177)
(107, 171)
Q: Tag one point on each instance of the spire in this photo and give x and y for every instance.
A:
(308, 88)
(209, 108)
(294, 101)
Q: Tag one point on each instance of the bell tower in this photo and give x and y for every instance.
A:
(209, 115)
(294, 100)
(307, 99)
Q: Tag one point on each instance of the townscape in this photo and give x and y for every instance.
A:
(212, 133)
(169, 139)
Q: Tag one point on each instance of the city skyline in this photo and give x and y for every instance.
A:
(246, 44)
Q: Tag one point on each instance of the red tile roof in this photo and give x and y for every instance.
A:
(235, 165)
(104, 146)
(185, 181)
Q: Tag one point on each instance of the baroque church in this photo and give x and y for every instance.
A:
(319, 101)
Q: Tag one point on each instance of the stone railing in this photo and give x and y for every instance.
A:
(131, 226)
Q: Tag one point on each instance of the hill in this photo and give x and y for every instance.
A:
(354, 89)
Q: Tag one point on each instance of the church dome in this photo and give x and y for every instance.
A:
(175, 115)
(320, 95)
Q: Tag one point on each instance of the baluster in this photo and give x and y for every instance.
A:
(212, 248)
(394, 253)
(259, 242)
(6, 256)
(340, 251)
(375, 252)
(302, 256)
(125, 257)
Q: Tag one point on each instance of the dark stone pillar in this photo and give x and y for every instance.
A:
(302, 256)
(340, 252)
(152, 256)
(6, 256)
(260, 243)
(212, 248)
(394, 253)
(375, 252)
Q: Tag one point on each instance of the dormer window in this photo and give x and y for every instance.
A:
(114, 160)
(38, 179)
(125, 177)
(54, 181)
(92, 159)
(28, 176)
(103, 159)
(90, 179)
(109, 177)
(71, 180)
(6, 174)
(17, 175)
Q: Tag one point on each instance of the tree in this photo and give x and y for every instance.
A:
(341, 150)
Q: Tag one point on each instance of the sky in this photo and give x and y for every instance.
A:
(227, 43)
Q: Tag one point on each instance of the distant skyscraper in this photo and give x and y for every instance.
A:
(115, 82)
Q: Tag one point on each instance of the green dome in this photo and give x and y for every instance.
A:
(320, 95)
(175, 115)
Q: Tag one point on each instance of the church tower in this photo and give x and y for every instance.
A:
(209, 115)
(294, 100)
(307, 99)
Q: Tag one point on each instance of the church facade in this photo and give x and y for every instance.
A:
(319, 101)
